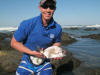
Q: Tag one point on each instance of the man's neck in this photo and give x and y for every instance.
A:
(45, 22)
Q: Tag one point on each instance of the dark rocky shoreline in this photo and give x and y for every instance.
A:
(92, 36)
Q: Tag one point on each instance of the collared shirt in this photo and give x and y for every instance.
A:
(33, 34)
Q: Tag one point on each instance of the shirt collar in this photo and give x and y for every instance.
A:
(52, 23)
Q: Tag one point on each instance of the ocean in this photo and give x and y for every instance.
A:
(85, 49)
(7, 28)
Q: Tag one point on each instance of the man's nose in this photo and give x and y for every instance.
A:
(48, 9)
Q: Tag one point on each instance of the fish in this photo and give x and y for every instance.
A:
(50, 52)
(53, 52)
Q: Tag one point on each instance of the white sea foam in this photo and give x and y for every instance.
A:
(71, 26)
(8, 28)
(95, 26)
(81, 26)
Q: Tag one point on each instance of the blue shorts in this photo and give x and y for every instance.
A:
(25, 69)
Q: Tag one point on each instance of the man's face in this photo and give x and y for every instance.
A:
(47, 13)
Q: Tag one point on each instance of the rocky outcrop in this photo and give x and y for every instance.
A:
(66, 39)
(93, 36)
(9, 61)
(5, 41)
(74, 28)
(90, 29)
(67, 64)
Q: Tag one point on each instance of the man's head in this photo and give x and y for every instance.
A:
(47, 8)
(48, 3)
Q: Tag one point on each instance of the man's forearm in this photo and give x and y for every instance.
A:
(20, 47)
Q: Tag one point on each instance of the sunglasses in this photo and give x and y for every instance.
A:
(52, 7)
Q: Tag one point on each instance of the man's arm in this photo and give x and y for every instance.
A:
(20, 47)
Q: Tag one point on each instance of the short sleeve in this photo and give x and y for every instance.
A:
(22, 32)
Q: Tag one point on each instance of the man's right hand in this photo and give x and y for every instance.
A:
(38, 54)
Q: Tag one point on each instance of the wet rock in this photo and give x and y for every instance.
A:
(67, 64)
(5, 45)
(66, 39)
(93, 36)
(90, 29)
(5, 39)
(9, 61)
(74, 28)
(3, 36)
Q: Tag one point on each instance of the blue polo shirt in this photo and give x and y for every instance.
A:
(33, 34)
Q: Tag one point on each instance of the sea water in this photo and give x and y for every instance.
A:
(86, 50)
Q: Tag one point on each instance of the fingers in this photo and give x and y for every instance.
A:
(42, 50)
(57, 58)
(64, 51)
(39, 54)
(43, 56)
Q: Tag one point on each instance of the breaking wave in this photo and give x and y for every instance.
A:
(81, 26)
(8, 28)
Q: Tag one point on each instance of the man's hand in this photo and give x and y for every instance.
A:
(57, 58)
(39, 54)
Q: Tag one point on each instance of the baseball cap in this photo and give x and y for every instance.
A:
(48, 3)
(43, 1)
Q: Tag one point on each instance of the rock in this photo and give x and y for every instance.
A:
(67, 64)
(74, 28)
(66, 39)
(90, 29)
(9, 61)
(3, 36)
(5, 41)
(93, 36)
(5, 45)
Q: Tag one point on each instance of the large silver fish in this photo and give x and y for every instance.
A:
(50, 52)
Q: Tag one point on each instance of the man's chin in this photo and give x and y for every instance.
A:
(48, 18)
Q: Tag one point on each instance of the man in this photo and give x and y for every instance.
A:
(41, 31)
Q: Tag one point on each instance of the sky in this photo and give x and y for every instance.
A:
(68, 12)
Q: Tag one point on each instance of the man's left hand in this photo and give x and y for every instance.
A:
(57, 58)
